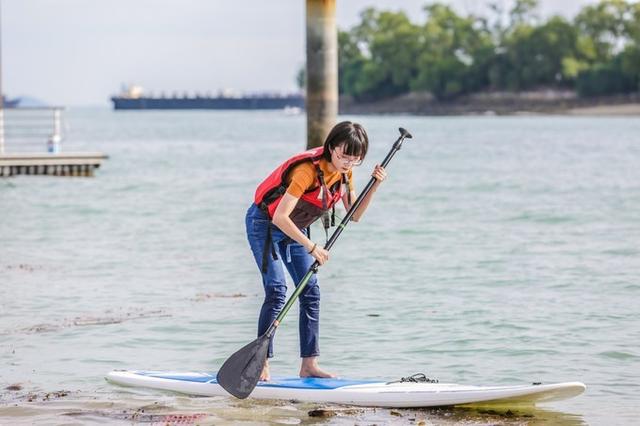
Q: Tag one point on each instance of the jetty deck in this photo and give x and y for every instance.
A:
(53, 164)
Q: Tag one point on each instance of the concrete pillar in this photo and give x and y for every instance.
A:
(322, 70)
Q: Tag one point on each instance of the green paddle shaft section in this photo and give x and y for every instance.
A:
(314, 268)
(296, 293)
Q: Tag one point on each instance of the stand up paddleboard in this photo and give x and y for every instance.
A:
(367, 393)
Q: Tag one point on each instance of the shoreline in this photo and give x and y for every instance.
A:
(624, 110)
(499, 103)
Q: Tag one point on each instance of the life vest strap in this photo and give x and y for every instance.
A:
(345, 180)
(268, 242)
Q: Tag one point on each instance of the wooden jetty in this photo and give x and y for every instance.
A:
(35, 136)
(60, 164)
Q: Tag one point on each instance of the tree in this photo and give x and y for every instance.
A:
(611, 44)
(537, 54)
(605, 24)
(502, 73)
(454, 53)
(301, 79)
(631, 55)
(606, 79)
(387, 43)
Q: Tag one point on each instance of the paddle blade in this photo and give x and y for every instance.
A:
(240, 373)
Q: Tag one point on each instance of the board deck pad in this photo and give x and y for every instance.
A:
(369, 393)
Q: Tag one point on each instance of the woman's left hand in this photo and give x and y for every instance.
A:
(379, 173)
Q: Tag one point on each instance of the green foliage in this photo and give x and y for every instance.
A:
(605, 24)
(450, 54)
(301, 79)
(454, 53)
(377, 56)
(571, 67)
(535, 55)
(606, 79)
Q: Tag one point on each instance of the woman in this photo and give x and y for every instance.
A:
(301, 190)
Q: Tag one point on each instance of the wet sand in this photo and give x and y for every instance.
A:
(607, 110)
(140, 407)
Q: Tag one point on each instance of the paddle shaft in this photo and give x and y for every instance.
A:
(343, 224)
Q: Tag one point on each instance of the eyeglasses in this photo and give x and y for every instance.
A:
(348, 161)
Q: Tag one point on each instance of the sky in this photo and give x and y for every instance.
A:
(80, 52)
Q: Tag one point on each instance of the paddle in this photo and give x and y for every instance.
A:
(240, 373)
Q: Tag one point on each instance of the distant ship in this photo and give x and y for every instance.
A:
(133, 97)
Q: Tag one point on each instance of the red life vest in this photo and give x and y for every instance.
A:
(313, 203)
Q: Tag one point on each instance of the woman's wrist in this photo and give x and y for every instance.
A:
(312, 249)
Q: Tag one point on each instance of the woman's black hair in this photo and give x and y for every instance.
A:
(351, 136)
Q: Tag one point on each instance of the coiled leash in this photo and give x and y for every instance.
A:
(416, 378)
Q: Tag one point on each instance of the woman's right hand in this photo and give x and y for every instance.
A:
(320, 254)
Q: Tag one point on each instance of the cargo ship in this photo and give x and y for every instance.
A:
(133, 98)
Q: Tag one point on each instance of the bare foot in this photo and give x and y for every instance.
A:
(265, 375)
(310, 368)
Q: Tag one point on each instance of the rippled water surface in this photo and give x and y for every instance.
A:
(499, 251)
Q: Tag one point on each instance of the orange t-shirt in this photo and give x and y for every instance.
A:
(304, 177)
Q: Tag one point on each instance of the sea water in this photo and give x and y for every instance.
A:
(500, 250)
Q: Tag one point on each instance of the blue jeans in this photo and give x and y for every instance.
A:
(297, 261)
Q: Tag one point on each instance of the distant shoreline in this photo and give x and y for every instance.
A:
(546, 102)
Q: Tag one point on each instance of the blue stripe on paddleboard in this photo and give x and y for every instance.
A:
(312, 383)
(195, 377)
(287, 383)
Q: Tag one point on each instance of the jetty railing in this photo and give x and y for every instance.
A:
(32, 129)
(31, 144)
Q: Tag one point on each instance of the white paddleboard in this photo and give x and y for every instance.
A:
(367, 393)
